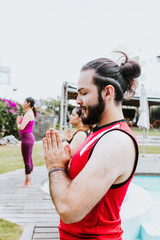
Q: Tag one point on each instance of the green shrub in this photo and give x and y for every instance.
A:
(8, 114)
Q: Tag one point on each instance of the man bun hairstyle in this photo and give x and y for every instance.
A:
(31, 101)
(122, 78)
(130, 70)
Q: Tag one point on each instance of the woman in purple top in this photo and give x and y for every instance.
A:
(25, 126)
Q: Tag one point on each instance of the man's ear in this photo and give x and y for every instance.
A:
(109, 92)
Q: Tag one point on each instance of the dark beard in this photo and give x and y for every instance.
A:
(94, 112)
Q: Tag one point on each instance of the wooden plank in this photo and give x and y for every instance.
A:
(45, 235)
(34, 205)
(29, 215)
(28, 232)
(11, 196)
(46, 230)
(25, 200)
(56, 238)
(33, 220)
(52, 211)
(49, 224)
(15, 207)
(15, 211)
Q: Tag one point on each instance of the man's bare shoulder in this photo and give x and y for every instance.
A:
(115, 151)
(116, 139)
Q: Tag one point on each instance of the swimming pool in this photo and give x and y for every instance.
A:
(152, 185)
(145, 224)
(140, 210)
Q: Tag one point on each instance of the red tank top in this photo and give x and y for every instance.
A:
(103, 221)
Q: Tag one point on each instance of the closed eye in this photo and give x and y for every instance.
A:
(83, 93)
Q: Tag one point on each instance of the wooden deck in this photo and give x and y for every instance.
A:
(28, 206)
(148, 164)
(33, 208)
(45, 231)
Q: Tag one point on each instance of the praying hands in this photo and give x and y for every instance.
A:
(56, 155)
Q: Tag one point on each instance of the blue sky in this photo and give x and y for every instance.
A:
(45, 42)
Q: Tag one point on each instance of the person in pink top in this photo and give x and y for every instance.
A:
(25, 126)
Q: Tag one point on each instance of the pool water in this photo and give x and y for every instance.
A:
(152, 185)
(140, 211)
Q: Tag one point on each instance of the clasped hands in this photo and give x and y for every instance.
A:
(56, 154)
(18, 120)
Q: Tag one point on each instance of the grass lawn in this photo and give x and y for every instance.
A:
(10, 231)
(151, 132)
(150, 149)
(11, 158)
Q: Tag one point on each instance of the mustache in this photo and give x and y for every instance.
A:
(82, 107)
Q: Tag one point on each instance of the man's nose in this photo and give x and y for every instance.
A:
(79, 100)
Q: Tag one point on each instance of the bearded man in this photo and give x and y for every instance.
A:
(89, 198)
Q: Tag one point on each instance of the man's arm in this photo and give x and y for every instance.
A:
(111, 162)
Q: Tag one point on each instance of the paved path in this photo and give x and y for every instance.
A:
(28, 206)
(148, 164)
(33, 208)
(149, 141)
